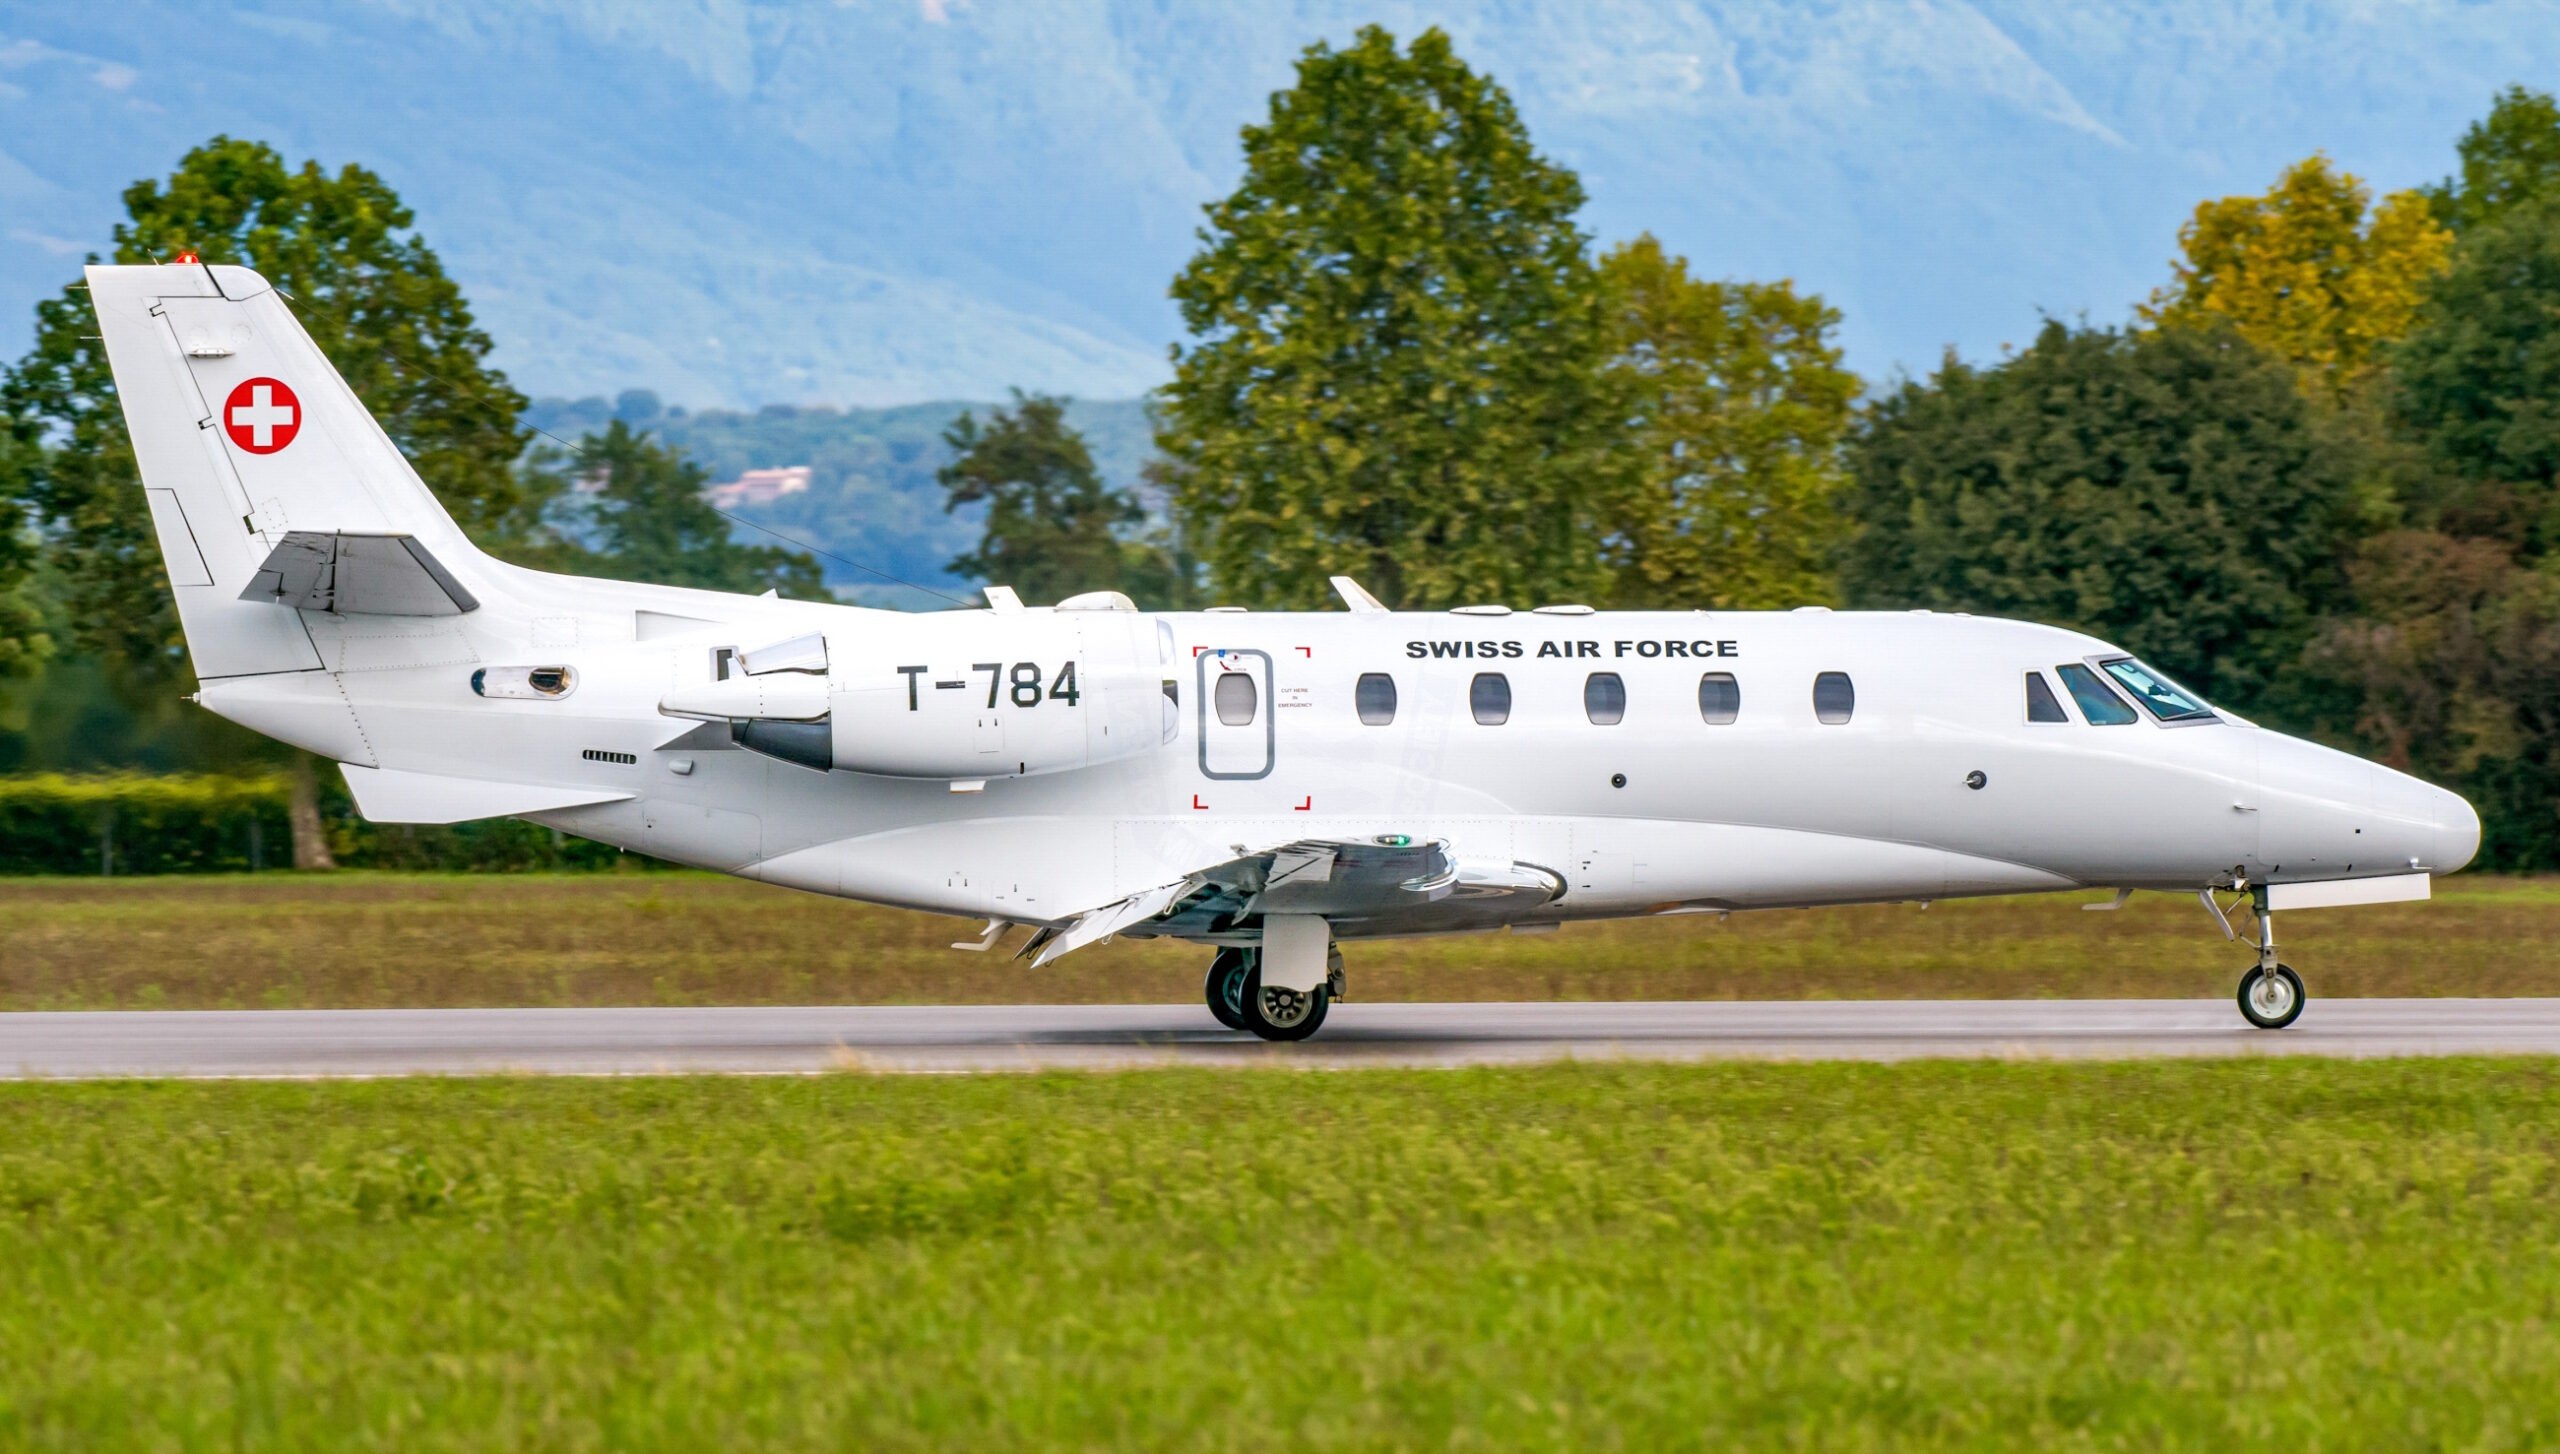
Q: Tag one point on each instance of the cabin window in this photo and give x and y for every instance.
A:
(1835, 699)
(2042, 704)
(1375, 696)
(1489, 696)
(1604, 699)
(1719, 698)
(2103, 708)
(2158, 695)
(1236, 697)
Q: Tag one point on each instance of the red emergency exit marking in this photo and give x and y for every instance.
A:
(1196, 803)
(1308, 806)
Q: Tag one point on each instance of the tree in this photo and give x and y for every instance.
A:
(2304, 273)
(1737, 405)
(2449, 662)
(651, 523)
(24, 641)
(2168, 491)
(2510, 157)
(370, 293)
(1398, 360)
(2477, 381)
(1053, 527)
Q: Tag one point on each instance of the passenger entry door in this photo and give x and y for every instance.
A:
(1237, 733)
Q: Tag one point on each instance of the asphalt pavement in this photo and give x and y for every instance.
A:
(287, 1043)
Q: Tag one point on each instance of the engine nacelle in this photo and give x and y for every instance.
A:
(957, 696)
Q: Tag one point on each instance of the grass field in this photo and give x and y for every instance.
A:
(2263, 1254)
(284, 940)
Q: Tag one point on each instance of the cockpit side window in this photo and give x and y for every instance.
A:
(2042, 704)
(2103, 708)
(2158, 695)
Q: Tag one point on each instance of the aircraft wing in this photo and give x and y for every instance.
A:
(1364, 888)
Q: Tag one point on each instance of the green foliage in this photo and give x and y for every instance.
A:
(2271, 1252)
(2450, 656)
(24, 641)
(2167, 491)
(142, 823)
(2477, 382)
(164, 823)
(1398, 366)
(2509, 157)
(2305, 273)
(1737, 405)
(1053, 527)
(371, 294)
(2446, 659)
(651, 523)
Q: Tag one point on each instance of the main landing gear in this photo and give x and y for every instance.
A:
(1241, 1001)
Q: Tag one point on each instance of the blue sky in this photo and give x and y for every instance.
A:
(741, 203)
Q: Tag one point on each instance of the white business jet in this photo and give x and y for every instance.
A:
(1268, 783)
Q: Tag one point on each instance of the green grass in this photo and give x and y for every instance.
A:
(284, 940)
(2273, 1254)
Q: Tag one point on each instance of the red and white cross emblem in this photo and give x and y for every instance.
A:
(262, 416)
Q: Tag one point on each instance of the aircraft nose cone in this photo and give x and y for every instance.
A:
(2457, 831)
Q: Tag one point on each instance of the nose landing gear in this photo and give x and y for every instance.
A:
(2271, 994)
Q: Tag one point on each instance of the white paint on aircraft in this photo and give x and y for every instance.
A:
(1251, 780)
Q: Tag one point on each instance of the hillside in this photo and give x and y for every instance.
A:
(889, 201)
(872, 497)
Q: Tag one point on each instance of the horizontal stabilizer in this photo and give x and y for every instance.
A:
(390, 795)
(357, 575)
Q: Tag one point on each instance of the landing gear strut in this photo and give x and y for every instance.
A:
(2270, 993)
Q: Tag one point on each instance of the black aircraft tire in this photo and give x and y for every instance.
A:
(1295, 1017)
(2271, 1005)
(1225, 987)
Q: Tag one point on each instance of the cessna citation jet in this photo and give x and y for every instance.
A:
(1269, 784)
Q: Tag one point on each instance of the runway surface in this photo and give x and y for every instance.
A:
(1029, 1037)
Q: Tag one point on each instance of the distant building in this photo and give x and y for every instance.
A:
(758, 487)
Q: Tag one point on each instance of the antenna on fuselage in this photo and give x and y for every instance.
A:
(1360, 601)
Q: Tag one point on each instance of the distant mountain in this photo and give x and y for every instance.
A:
(872, 499)
(884, 201)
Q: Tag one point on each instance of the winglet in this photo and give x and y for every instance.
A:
(1360, 601)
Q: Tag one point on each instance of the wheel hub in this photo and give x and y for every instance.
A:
(2271, 996)
(1284, 1008)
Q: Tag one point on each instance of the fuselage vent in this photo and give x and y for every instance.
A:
(598, 754)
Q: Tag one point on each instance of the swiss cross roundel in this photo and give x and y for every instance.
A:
(262, 415)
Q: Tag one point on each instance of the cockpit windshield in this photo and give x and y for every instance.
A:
(2158, 695)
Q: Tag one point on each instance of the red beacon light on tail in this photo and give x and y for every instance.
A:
(185, 257)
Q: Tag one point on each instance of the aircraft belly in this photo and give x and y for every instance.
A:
(1623, 866)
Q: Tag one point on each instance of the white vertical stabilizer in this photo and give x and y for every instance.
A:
(244, 431)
